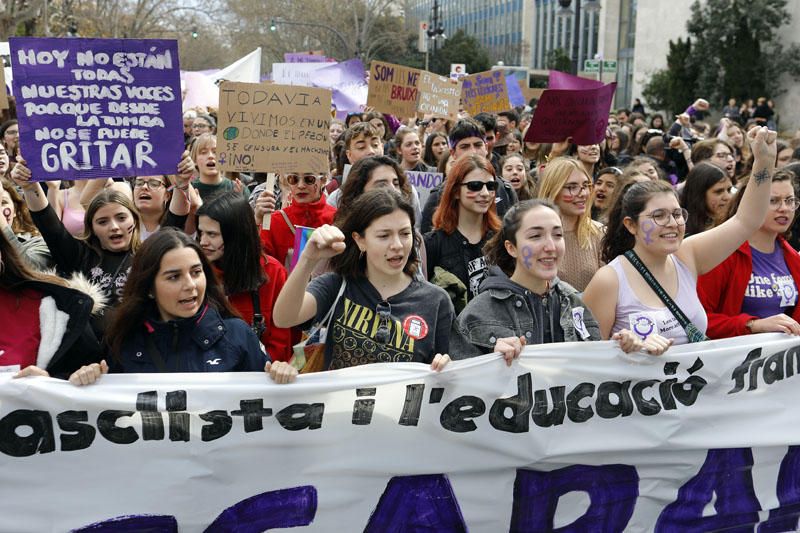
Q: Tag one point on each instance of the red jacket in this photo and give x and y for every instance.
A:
(721, 291)
(277, 341)
(279, 238)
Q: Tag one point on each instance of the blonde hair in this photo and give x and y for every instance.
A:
(552, 181)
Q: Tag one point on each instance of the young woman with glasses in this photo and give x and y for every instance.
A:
(305, 205)
(648, 222)
(755, 289)
(465, 218)
(566, 183)
(161, 204)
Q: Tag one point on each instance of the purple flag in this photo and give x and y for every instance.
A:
(347, 81)
(581, 114)
(561, 80)
(96, 108)
(515, 96)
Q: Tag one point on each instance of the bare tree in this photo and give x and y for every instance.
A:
(15, 12)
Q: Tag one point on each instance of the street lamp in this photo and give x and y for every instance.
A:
(273, 26)
(591, 6)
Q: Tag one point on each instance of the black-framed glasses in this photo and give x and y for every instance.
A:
(384, 312)
(308, 179)
(663, 216)
(574, 189)
(790, 202)
(477, 185)
(151, 183)
(724, 155)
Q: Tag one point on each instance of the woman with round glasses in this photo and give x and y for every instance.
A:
(755, 289)
(465, 218)
(305, 206)
(566, 183)
(159, 204)
(647, 226)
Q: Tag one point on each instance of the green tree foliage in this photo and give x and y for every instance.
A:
(674, 88)
(460, 48)
(558, 59)
(736, 52)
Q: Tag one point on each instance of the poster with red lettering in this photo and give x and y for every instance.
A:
(393, 89)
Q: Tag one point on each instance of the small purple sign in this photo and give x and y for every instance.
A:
(97, 108)
(562, 80)
(579, 114)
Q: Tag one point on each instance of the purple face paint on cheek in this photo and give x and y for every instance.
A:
(527, 257)
(648, 228)
(7, 213)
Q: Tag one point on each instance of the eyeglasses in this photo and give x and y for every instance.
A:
(724, 155)
(384, 312)
(790, 202)
(574, 189)
(308, 179)
(151, 184)
(477, 186)
(201, 126)
(662, 216)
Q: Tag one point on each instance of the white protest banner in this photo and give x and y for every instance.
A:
(425, 182)
(573, 437)
(273, 128)
(295, 73)
(96, 108)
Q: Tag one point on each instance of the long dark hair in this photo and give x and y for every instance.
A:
(700, 179)
(427, 155)
(131, 313)
(362, 212)
(14, 271)
(495, 248)
(630, 202)
(359, 176)
(241, 262)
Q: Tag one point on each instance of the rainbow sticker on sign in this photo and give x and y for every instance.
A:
(301, 236)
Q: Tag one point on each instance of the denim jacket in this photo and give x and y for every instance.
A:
(506, 309)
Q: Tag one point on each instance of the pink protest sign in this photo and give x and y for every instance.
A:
(561, 80)
(580, 114)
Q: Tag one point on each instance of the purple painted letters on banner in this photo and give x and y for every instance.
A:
(96, 108)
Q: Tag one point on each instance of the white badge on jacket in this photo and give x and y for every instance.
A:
(580, 325)
(643, 324)
(788, 292)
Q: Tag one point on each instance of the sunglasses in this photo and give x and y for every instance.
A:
(308, 179)
(384, 312)
(477, 186)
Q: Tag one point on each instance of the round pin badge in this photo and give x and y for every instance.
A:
(415, 327)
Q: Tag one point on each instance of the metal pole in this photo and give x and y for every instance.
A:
(575, 41)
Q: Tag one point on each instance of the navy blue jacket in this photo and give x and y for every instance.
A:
(203, 343)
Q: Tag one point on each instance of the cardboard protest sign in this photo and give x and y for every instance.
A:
(485, 92)
(439, 95)
(273, 128)
(3, 93)
(424, 182)
(562, 80)
(393, 89)
(571, 437)
(96, 108)
(305, 57)
(579, 113)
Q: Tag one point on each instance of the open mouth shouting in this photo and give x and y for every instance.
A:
(397, 261)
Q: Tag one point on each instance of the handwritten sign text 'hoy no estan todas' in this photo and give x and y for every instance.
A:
(95, 108)
(393, 89)
(273, 128)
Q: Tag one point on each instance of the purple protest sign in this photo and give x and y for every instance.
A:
(347, 81)
(96, 108)
(561, 80)
(515, 96)
(579, 114)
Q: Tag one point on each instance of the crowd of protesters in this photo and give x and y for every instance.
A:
(663, 233)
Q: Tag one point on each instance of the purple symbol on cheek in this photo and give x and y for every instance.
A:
(648, 228)
(527, 257)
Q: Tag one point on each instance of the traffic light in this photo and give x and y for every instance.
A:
(194, 33)
(272, 25)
